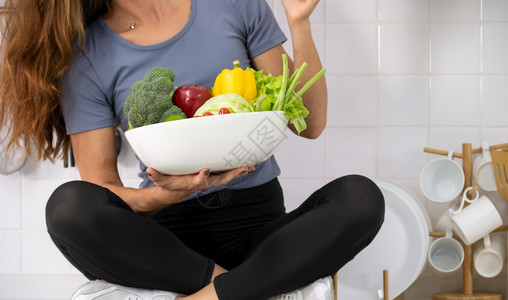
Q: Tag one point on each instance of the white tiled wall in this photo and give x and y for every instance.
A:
(402, 75)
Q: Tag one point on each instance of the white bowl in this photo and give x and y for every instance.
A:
(218, 142)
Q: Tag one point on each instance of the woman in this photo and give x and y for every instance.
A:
(67, 69)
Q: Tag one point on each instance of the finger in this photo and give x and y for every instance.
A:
(153, 174)
(242, 171)
(224, 178)
(161, 179)
(205, 172)
(201, 177)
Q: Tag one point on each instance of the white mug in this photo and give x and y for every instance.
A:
(483, 171)
(490, 256)
(445, 221)
(476, 220)
(446, 255)
(442, 179)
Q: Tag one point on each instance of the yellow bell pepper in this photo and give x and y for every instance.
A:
(236, 81)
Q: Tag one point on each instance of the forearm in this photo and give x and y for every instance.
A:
(171, 189)
(96, 159)
(315, 99)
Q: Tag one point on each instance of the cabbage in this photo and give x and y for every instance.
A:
(234, 102)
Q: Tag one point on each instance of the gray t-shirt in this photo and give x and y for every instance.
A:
(96, 85)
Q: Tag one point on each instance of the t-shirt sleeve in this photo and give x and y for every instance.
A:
(259, 25)
(85, 105)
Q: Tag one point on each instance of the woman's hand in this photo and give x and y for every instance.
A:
(195, 182)
(186, 185)
(299, 10)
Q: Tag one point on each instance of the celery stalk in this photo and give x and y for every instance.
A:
(279, 103)
(311, 82)
(294, 81)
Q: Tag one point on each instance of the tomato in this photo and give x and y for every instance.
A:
(207, 114)
(223, 111)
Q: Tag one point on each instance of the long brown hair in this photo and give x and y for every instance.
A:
(39, 38)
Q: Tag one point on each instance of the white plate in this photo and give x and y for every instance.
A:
(400, 247)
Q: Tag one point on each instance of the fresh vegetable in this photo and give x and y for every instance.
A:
(172, 114)
(149, 99)
(278, 93)
(264, 104)
(234, 103)
(224, 110)
(268, 87)
(236, 81)
(190, 97)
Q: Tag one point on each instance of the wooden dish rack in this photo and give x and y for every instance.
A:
(467, 286)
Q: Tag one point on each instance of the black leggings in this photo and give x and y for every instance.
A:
(266, 250)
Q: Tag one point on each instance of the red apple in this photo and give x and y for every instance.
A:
(190, 97)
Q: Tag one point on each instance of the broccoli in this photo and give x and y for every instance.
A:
(173, 113)
(149, 99)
